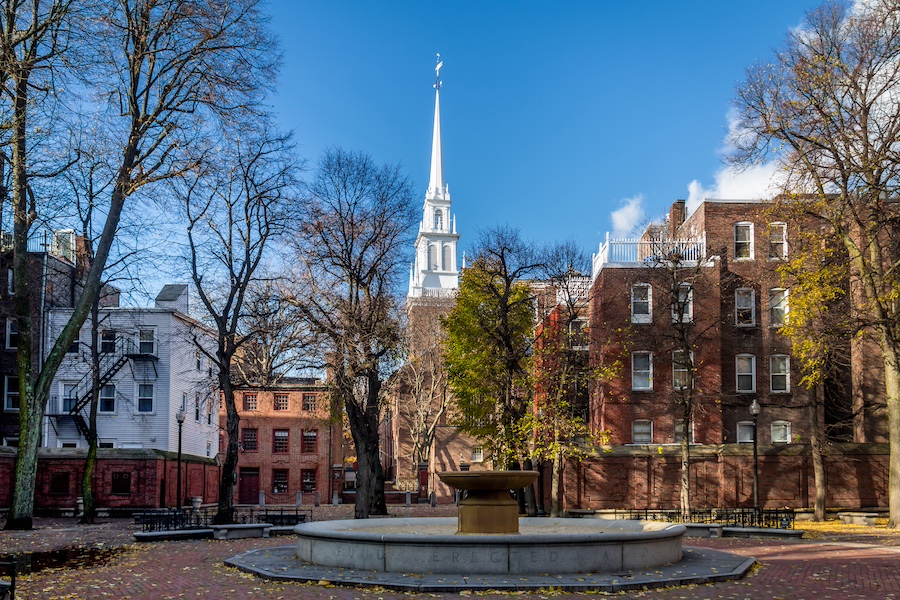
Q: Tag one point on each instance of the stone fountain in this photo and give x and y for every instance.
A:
(488, 506)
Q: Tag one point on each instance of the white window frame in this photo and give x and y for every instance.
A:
(648, 371)
(739, 293)
(635, 436)
(152, 341)
(101, 398)
(786, 373)
(7, 405)
(10, 281)
(641, 317)
(580, 330)
(781, 227)
(12, 328)
(749, 228)
(738, 374)
(139, 397)
(686, 370)
(11, 442)
(781, 432)
(477, 454)
(63, 396)
(778, 301)
(742, 436)
(687, 312)
(678, 430)
(68, 443)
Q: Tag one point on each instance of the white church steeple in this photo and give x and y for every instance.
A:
(434, 273)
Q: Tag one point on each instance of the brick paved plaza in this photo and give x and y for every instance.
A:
(847, 564)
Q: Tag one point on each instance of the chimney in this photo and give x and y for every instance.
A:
(676, 217)
(174, 297)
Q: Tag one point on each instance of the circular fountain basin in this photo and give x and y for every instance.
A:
(430, 545)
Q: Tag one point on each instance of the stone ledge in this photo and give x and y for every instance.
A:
(761, 532)
(177, 534)
(858, 518)
(235, 531)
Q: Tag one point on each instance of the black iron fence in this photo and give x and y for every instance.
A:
(730, 517)
(202, 518)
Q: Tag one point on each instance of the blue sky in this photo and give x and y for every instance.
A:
(556, 115)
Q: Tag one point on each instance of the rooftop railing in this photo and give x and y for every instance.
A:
(635, 252)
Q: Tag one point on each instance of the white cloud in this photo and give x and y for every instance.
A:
(629, 216)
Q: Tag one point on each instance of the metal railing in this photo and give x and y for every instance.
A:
(180, 519)
(643, 251)
(730, 517)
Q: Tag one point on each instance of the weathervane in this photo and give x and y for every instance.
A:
(437, 72)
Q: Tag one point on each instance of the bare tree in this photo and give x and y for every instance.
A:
(236, 209)
(162, 68)
(349, 257)
(826, 110)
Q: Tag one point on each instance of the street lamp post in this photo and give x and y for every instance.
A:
(179, 416)
(755, 409)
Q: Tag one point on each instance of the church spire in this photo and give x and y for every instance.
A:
(436, 181)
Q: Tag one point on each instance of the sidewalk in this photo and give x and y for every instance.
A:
(847, 564)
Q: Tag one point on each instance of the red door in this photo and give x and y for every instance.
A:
(248, 486)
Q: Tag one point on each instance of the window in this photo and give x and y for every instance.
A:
(641, 301)
(777, 240)
(309, 402)
(683, 307)
(309, 441)
(199, 359)
(744, 307)
(210, 410)
(681, 369)
(108, 398)
(145, 397)
(578, 335)
(433, 257)
(11, 442)
(121, 483)
(780, 373)
(147, 341)
(59, 483)
(208, 449)
(250, 402)
(308, 480)
(67, 443)
(184, 402)
(778, 307)
(279, 481)
(642, 371)
(73, 347)
(745, 369)
(197, 407)
(477, 454)
(445, 258)
(107, 341)
(11, 392)
(250, 440)
(68, 397)
(281, 401)
(679, 431)
(12, 333)
(280, 441)
(10, 282)
(743, 241)
(781, 432)
(745, 432)
(106, 444)
(438, 219)
(642, 431)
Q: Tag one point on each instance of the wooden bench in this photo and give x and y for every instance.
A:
(8, 569)
(236, 531)
(858, 518)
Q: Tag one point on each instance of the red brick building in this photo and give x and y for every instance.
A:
(289, 448)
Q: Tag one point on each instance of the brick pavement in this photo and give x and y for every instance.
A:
(845, 567)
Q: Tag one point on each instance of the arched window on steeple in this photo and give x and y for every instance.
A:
(446, 258)
(433, 258)
(438, 220)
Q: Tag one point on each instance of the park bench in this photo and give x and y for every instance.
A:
(858, 518)
(234, 531)
(8, 570)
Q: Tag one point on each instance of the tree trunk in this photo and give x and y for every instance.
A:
(225, 508)
(364, 429)
(555, 475)
(90, 460)
(530, 497)
(817, 441)
(892, 389)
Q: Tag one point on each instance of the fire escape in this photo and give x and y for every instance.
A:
(74, 406)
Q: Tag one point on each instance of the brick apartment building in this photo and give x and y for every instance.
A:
(289, 448)
(727, 287)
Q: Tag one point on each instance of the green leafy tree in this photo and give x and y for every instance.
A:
(490, 334)
(826, 110)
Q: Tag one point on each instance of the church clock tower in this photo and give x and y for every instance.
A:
(434, 273)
